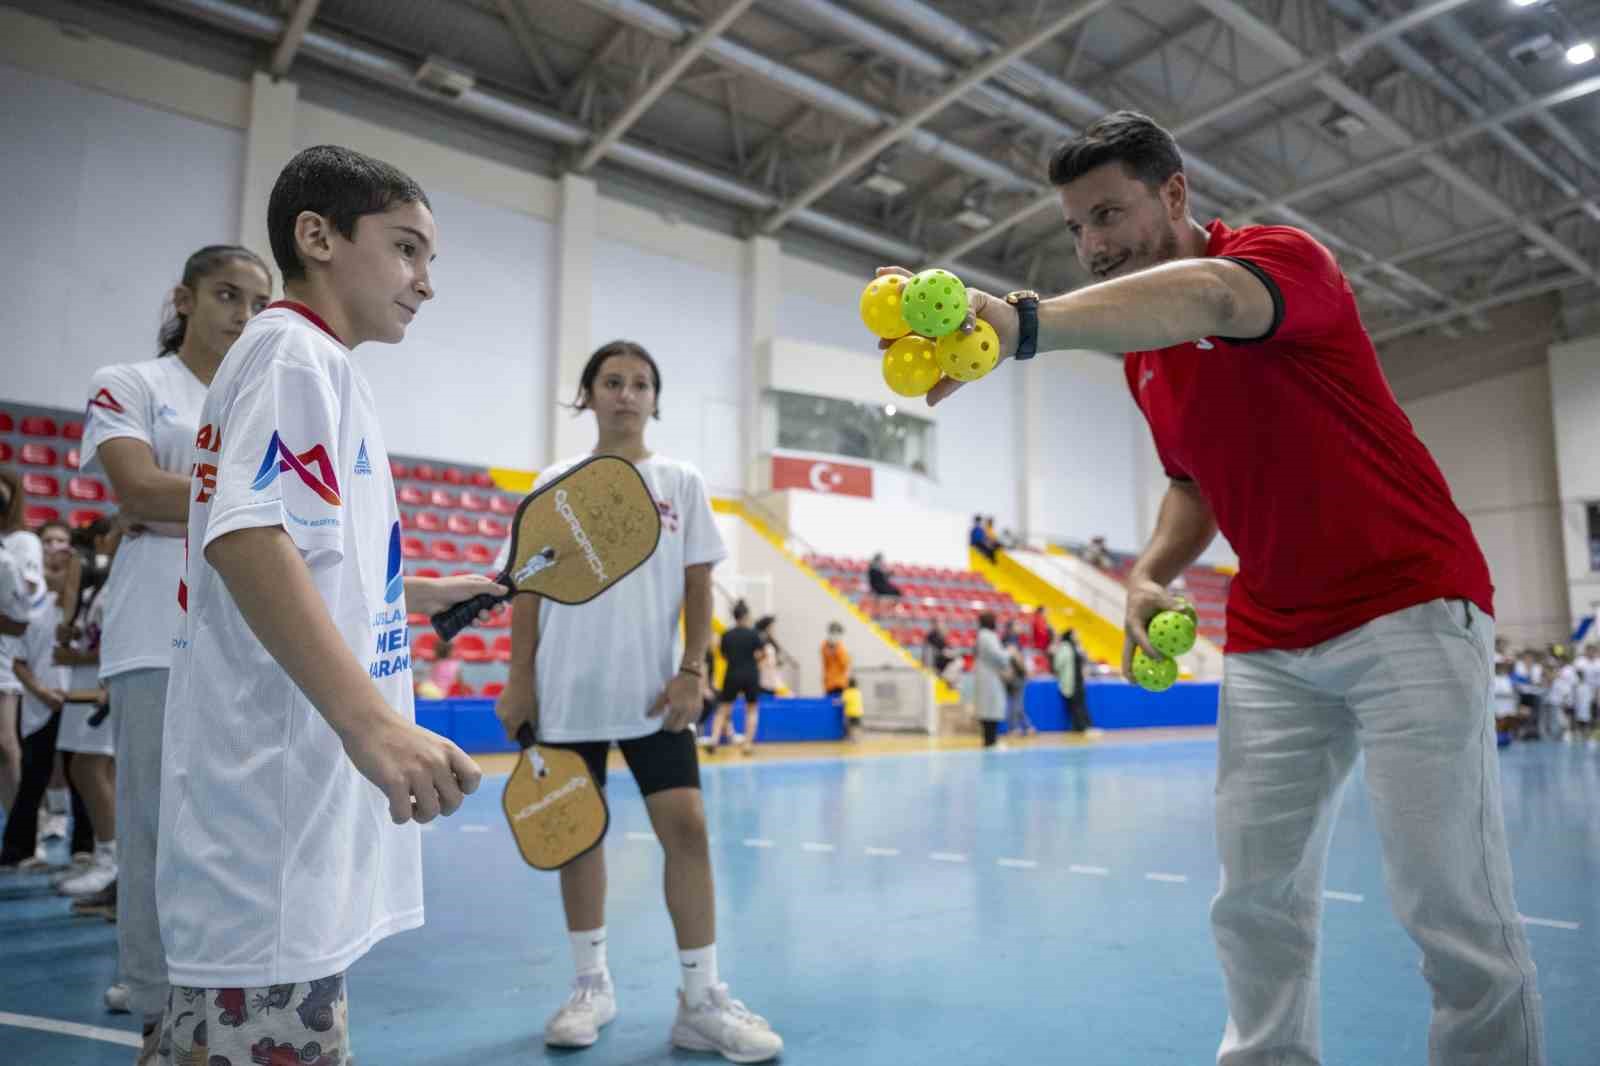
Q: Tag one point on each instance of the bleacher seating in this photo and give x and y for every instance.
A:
(1204, 586)
(49, 470)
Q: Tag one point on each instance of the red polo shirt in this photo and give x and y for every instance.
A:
(1315, 474)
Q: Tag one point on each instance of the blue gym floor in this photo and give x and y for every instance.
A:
(1022, 906)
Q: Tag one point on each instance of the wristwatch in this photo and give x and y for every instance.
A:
(1026, 301)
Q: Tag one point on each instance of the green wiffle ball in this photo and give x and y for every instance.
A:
(1153, 675)
(1173, 633)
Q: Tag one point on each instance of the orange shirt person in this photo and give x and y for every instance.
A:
(835, 661)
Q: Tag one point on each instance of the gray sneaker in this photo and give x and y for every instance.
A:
(724, 1025)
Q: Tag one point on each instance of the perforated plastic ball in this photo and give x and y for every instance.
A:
(1153, 675)
(969, 356)
(910, 367)
(935, 302)
(881, 301)
(1172, 633)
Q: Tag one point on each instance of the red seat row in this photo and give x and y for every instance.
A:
(458, 524)
(86, 489)
(468, 647)
(448, 475)
(41, 426)
(445, 500)
(447, 551)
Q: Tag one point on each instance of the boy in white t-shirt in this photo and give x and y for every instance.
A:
(280, 864)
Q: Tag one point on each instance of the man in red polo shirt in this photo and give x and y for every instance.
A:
(1360, 621)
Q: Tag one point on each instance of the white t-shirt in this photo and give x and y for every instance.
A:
(1589, 671)
(38, 650)
(157, 402)
(21, 584)
(602, 664)
(278, 862)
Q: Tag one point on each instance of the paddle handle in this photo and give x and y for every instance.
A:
(525, 737)
(452, 620)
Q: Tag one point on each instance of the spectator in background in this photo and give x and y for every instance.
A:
(854, 710)
(1040, 633)
(446, 671)
(1096, 554)
(1587, 699)
(740, 648)
(1067, 663)
(835, 662)
(979, 540)
(991, 663)
(1560, 701)
(1016, 681)
(936, 649)
(878, 577)
(21, 584)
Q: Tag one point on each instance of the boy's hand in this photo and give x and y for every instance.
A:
(518, 704)
(422, 774)
(680, 703)
(54, 699)
(432, 595)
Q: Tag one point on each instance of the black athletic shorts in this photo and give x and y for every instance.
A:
(748, 686)
(658, 762)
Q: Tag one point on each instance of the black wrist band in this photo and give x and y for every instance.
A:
(1026, 302)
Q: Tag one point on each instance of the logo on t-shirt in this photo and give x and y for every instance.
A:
(167, 411)
(279, 459)
(104, 399)
(1204, 345)
(363, 464)
(669, 515)
(394, 580)
(1146, 378)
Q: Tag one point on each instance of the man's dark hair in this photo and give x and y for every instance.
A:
(340, 185)
(1147, 151)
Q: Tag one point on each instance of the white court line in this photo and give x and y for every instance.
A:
(474, 829)
(883, 851)
(1549, 923)
(1345, 897)
(1171, 879)
(632, 835)
(89, 1032)
(1017, 864)
(757, 842)
(812, 845)
(947, 856)
(1097, 871)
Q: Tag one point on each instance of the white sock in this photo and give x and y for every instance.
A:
(105, 854)
(589, 952)
(699, 973)
(58, 800)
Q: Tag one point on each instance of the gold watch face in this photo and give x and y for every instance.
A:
(1021, 294)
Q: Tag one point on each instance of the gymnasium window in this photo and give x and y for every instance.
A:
(853, 430)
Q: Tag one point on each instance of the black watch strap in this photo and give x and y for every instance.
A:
(1026, 301)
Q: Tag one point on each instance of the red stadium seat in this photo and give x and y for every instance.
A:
(6, 422)
(425, 646)
(427, 571)
(445, 551)
(500, 619)
(89, 489)
(38, 515)
(412, 548)
(410, 497)
(398, 470)
(40, 485)
(40, 426)
(445, 501)
(72, 460)
(480, 555)
(473, 501)
(482, 480)
(6, 451)
(492, 528)
(492, 690)
(470, 648)
(501, 648)
(428, 522)
(451, 476)
(84, 517)
(416, 618)
(424, 472)
(461, 691)
(502, 505)
(37, 455)
(408, 521)
(72, 431)
(461, 525)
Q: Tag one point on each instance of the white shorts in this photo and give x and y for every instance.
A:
(77, 735)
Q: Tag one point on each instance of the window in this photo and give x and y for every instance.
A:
(850, 429)
(1594, 537)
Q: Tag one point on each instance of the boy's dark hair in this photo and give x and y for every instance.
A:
(1128, 137)
(339, 184)
(202, 264)
(591, 370)
(741, 611)
(986, 620)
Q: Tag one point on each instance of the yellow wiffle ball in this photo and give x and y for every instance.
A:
(969, 356)
(910, 367)
(882, 303)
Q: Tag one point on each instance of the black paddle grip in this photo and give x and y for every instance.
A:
(525, 737)
(452, 620)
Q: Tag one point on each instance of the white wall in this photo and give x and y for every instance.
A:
(103, 201)
(903, 530)
(1495, 442)
(1575, 398)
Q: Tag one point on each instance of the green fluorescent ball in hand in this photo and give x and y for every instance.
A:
(880, 307)
(909, 366)
(935, 302)
(1153, 675)
(969, 356)
(1172, 633)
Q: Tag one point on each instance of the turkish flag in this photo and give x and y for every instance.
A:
(821, 475)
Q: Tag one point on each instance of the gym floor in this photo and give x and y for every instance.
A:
(891, 902)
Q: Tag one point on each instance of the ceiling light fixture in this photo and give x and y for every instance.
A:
(1580, 53)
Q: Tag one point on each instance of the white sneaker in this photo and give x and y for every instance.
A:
(591, 1007)
(117, 999)
(92, 880)
(81, 863)
(53, 827)
(724, 1025)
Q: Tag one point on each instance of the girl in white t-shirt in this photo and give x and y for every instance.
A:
(21, 582)
(612, 671)
(140, 432)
